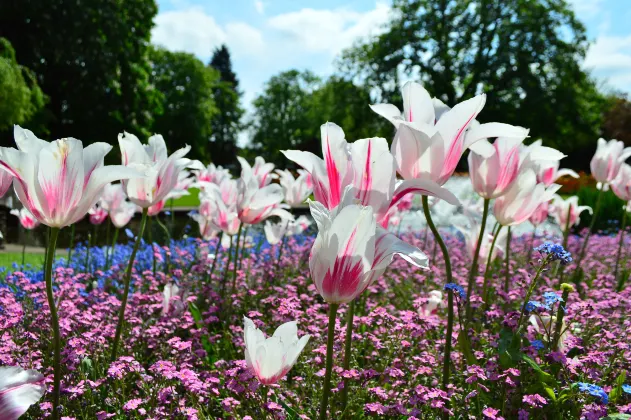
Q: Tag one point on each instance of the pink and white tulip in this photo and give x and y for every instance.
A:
(270, 359)
(298, 226)
(162, 171)
(366, 165)
(548, 172)
(27, 220)
(263, 171)
(170, 290)
(522, 199)
(434, 302)
(296, 190)
(561, 208)
(58, 182)
(6, 179)
(210, 175)
(607, 161)
(256, 203)
(275, 232)
(19, 389)
(350, 251)
(123, 214)
(492, 175)
(540, 215)
(207, 228)
(97, 214)
(471, 241)
(429, 142)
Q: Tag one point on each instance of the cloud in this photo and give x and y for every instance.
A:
(194, 31)
(259, 6)
(610, 58)
(329, 30)
(587, 8)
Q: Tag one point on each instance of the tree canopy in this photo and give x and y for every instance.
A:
(526, 54)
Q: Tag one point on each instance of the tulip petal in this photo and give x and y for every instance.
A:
(26, 141)
(493, 130)
(93, 157)
(417, 104)
(387, 245)
(132, 150)
(156, 148)
(389, 112)
(423, 187)
(336, 159)
(19, 389)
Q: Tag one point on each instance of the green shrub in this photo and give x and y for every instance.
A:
(610, 213)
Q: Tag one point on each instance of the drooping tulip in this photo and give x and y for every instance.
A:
(429, 142)
(350, 251)
(522, 199)
(222, 215)
(471, 235)
(296, 190)
(169, 291)
(540, 215)
(298, 226)
(58, 182)
(19, 389)
(207, 229)
(562, 208)
(163, 171)
(492, 175)
(607, 161)
(365, 164)
(271, 358)
(256, 203)
(26, 218)
(97, 214)
(434, 301)
(545, 324)
(621, 186)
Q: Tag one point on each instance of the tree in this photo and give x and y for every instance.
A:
(525, 54)
(294, 105)
(21, 97)
(90, 58)
(226, 123)
(187, 88)
(617, 123)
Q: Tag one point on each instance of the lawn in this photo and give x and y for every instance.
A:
(34, 259)
(191, 200)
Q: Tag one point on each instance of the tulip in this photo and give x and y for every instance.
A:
(544, 325)
(212, 174)
(26, 218)
(548, 172)
(58, 182)
(522, 199)
(434, 301)
(296, 190)
(271, 358)
(298, 226)
(366, 165)
(275, 232)
(19, 389)
(123, 214)
(567, 212)
(607, 161)
(263, 171)
(621, 185)
(169, 291)
(207, 229)
(471, 235)
(540, 214)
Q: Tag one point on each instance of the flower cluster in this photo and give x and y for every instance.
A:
(554, 252)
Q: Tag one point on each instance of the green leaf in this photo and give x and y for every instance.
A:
(291, 413)
(617, 416)
(550, 393)
(544, 377)
(465, 347)
(616, 391)
(509, 350)
(197, 317)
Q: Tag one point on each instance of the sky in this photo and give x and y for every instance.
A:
(266, 37)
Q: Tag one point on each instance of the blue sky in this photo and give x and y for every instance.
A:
(266, 37)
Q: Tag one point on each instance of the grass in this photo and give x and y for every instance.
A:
(190, 200)
(34, 259)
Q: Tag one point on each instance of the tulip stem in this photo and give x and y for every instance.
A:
(450, 326)
(560, 314)
(347, 351)
(438, 239)
(226, 269)
(236, 258)
(329, 361)
(566, 237)
(54, 320)
(166, 232)
(532, 244)
(474, 265)
(217, 249)
(24, 247)
(130, 265)
(110, 252)
(485, 285)
(507, 261)
(624, 225)
(591, 229)
(71, 244)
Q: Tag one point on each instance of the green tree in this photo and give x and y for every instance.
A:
(21, 97)
(226, 123)
(526, 54)
(294, 105)
(90, 58)
(187, 87)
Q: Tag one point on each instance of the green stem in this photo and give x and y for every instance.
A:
(121, 314)
(236, 256)
(438, 239)
(347, 351)
(474, 265)
(71, 244)
(245, 237)
(566, 237)
(226, 269)
(620, 242)
(559, 321)
(153, 253)
(485, 285)
(507, 261)
(110, 252)
(591, 229)
(532, 244)
(166, 231)
(329, 361)
(450, 326)
(24, 248)
(87, 253)
(531, 289)
(217, 249)
(54, 320)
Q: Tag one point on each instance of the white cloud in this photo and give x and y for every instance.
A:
(587, 8)
(329, 30)
(194, 31)
(259, 6)
(610, 58)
